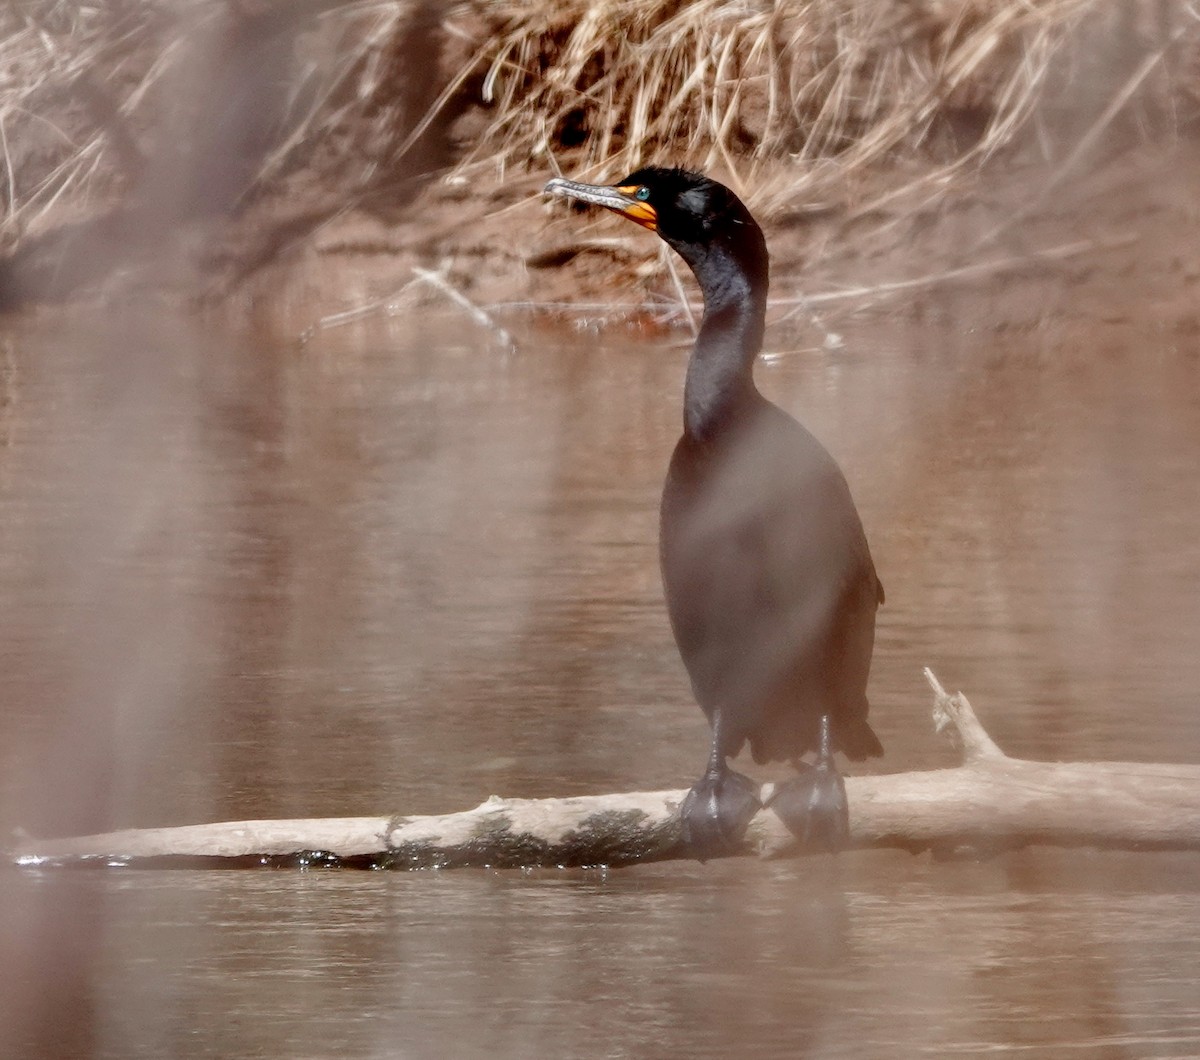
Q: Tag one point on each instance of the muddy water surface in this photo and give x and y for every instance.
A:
(397, 569)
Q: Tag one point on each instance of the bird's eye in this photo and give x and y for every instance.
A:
(642, 194)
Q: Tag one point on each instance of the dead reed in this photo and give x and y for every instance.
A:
(835, 85)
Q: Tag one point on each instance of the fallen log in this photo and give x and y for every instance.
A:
(988, 804)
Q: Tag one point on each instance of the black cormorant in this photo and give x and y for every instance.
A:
(768, 579)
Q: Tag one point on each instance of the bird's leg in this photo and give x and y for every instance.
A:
(720, 805)
(813, 805)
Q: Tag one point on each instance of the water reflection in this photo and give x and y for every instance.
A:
(877, 955)
(394, 570)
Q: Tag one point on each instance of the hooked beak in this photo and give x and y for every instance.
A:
(619, 200)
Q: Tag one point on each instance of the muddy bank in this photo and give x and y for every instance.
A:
(1113, 242)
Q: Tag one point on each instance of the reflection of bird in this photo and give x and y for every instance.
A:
(768, 578)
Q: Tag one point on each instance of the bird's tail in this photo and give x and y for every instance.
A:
(855, 738)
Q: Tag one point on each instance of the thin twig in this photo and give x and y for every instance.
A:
(8, 169)
(479, 315)
(669, 257)
(1066, 250)
(349, 316)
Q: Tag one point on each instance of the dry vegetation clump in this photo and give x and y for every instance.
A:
(168, 112)
(725, 82)
(838, 86)
(194, 109)
(58, 121)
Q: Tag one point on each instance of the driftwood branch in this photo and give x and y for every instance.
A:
(988, 804)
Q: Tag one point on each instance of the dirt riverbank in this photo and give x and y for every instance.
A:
(1114, 240)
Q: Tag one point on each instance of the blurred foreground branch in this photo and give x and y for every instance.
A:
(989, 804)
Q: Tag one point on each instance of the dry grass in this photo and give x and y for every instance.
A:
(727, 83)
(51, 57)
(838, 86)
(94, 97)
(98, 101)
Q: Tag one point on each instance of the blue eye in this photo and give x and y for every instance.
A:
(642, 194)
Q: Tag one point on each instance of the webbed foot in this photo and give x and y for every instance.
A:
(717, 812)
(813, 804)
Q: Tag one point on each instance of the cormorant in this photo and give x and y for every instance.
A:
(768, 578)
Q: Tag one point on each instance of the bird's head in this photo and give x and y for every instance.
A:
(691, 212)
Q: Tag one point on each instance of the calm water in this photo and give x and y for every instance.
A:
(398, 570)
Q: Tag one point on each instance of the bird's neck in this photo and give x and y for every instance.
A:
(720, 375)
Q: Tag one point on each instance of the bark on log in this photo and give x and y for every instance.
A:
(988, 804)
